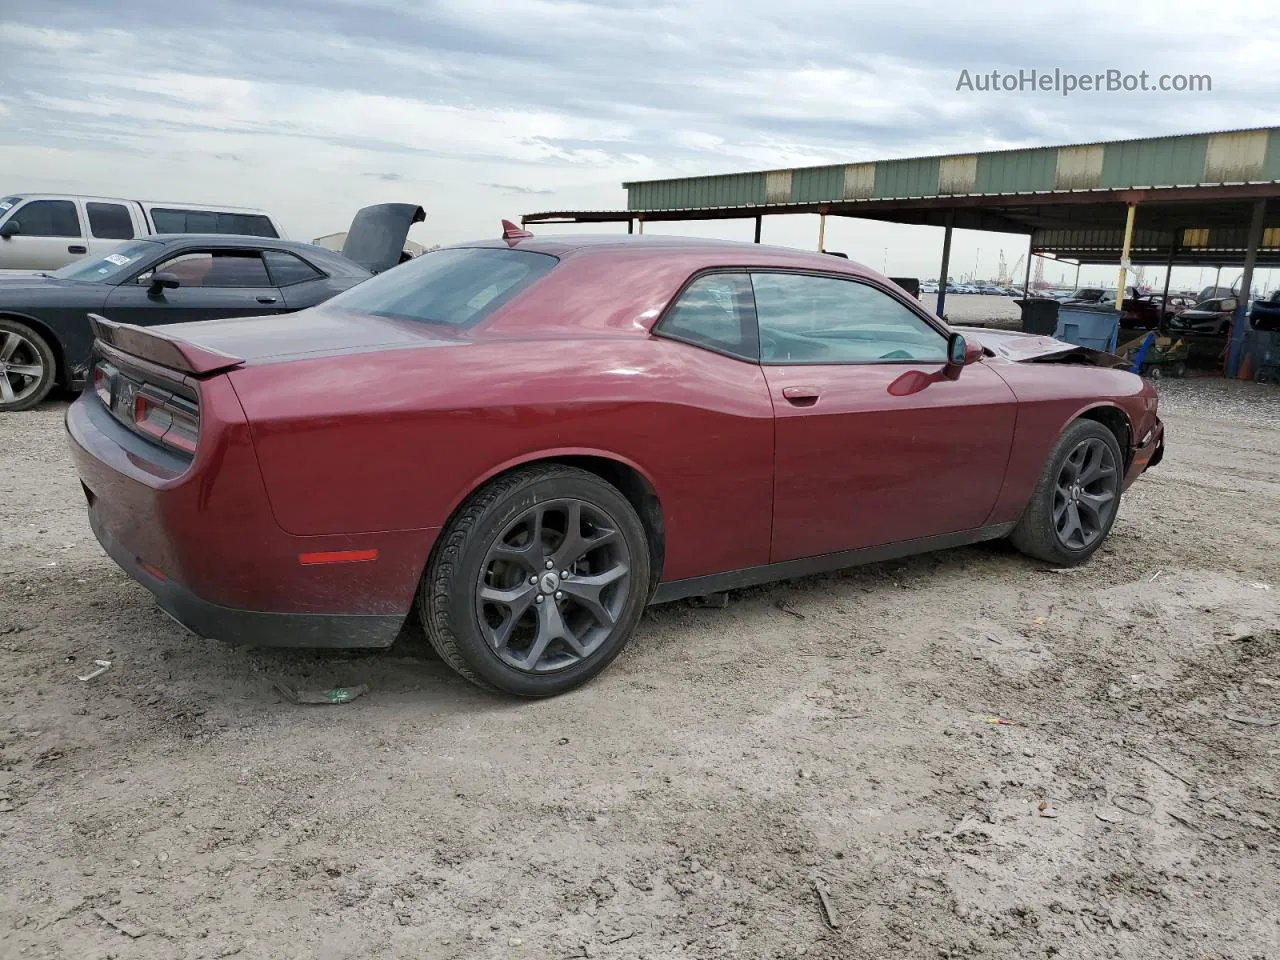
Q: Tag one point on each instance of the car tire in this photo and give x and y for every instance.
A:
(512, 604)
(27, 350)
(1068, 490)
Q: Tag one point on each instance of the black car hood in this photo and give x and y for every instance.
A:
(377, 234)
(15, 291)
(1197, 315)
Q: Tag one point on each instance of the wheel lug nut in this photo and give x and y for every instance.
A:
(559, 595)
(539, 598)
(533, 580)
(564, 574)
(550, 564)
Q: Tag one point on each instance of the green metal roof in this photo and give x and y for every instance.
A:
(1199, 159)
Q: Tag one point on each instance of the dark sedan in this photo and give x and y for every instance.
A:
(45, 337)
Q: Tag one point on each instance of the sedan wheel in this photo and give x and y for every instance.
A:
(26, 367)
(1085, 494)
(552, 586)
(1076, 499)
(537, 581)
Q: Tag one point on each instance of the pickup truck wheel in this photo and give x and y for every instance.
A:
(1076, 499)
(537, 582)
(27, 367)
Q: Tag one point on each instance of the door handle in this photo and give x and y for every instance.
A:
(802, 396)
(266, 299)
(77, 248)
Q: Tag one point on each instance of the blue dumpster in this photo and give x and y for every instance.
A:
(1089, 325)
(1262, 350)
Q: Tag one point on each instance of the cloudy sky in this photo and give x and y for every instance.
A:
(492, 108)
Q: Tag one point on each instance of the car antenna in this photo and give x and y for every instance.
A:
(511, 232)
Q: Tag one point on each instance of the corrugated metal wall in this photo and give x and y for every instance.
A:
(1165, 161)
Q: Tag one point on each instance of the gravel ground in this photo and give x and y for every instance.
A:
(835, 733)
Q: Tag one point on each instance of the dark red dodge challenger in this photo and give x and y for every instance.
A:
(529, 439)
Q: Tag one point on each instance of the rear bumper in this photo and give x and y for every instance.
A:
(251, 627)
(200, 536)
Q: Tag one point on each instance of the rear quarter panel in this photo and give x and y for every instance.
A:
(397, 439)
(1050, 397)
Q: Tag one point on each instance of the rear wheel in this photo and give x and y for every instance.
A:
(27, 367)
(1076, 499)
(537, 581)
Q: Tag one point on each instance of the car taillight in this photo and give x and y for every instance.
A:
(104, 375)
(167, 419)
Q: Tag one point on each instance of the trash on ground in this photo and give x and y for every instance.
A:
(1156, 576)
(712, 601)
(828, 909)
(1131, 803)
(128, 929)
(1108, 814)
(321, 697)
(1254, 721)
(102, 667)
(1046, 811)
(1000, 721)
(782, 605)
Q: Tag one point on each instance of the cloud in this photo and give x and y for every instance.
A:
(514, 189)
(288, 105)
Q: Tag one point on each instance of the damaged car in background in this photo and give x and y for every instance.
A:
(45, 337)
(540, 436)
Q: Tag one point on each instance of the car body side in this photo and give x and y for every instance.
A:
(375, 436)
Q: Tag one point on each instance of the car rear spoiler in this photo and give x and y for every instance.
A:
(158, 348)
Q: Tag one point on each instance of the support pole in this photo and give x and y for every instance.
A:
(946, 265)
(641, 230)
(1124, 255)
(1077, 274)
(631, 225)
(1026, 280)
(1168, 276)
(1240, 322)
(759, 223)
(822, 230)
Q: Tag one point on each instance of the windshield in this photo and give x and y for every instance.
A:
(458, 286)
(107, 268)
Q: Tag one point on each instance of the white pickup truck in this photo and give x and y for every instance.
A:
(45, 231)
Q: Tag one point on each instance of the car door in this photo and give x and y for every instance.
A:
(110, 224)
(872, 444)
(43, 235)
(214, 282)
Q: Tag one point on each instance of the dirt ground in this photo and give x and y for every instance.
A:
(834, 733)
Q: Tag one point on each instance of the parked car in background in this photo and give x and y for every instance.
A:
(45, 336)
(928, 287)
(1264, 315)
(527, 440)
(1208, 318)
(45, 231)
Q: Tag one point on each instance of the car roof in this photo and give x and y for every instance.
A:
(694, 250)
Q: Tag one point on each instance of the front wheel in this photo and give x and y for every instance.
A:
(27, 367)
(537, 581)
(1076, 499)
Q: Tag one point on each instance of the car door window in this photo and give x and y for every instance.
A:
(714, 311)
(49, 218)
(214, 268)
(286, 269)
(109, 221)
(816, 319)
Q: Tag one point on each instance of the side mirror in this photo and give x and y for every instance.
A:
(959, 354)
(10, 228)
(164, 281)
